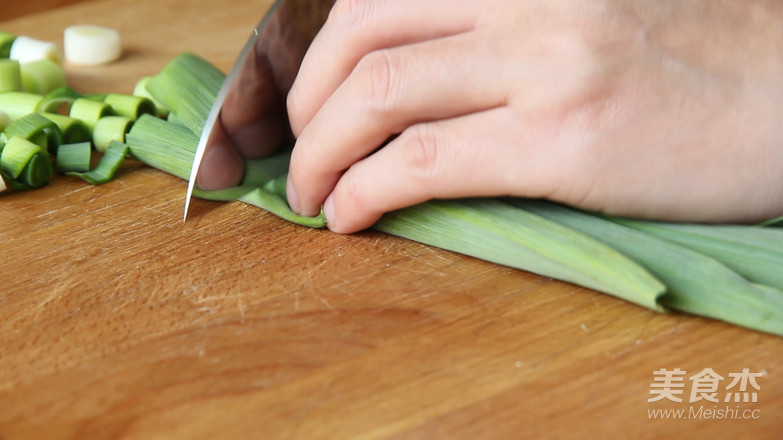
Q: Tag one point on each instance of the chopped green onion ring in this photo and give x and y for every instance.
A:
(18, 104)
(73, 130)
(51, 102)
(130, 106)
(10, 75)
(107, 166)
(89, 111)
(74, 157)
(108, 129)
(25, 165)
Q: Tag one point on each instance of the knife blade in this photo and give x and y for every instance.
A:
(280, 38)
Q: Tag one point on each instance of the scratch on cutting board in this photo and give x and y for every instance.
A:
(241, 307)
(209, 298)
(323, 300)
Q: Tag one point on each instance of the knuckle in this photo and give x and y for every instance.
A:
(299, 167)
(378, 73)
(422, 151)
(297, 108)
(353, 193)
(349, 12)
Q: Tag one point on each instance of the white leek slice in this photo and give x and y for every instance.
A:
(91, 45)
(26, 49)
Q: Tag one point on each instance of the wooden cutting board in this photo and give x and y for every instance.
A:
(119, 321)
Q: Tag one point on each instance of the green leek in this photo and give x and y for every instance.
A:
(89, 111)
(73, 130)
(41, 76)
(52, 101)
(140, 89)
(74, 157)
(6, 41)
(192, 103)
(108, 129)
(37, 129)
(5, 121)
(753, 252)
(107, 166)
(24, 165)
(10, 77)
(130, 106)
(696, 283)
(18, 104)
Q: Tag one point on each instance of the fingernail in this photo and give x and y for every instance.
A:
(293, 199)
(329, 212)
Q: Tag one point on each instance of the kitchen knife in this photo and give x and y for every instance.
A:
(279, 41)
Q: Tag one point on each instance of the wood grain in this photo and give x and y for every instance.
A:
(119, 321)
(15, 9)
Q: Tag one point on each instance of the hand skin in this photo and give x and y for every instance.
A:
(667, 109)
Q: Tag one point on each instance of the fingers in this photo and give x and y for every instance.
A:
(252, 113)
(222, 166)
(356, 28)
(389, 91)
(250, 125)
(445, 159)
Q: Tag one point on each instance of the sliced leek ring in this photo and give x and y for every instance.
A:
(26, 49)
(91, 44)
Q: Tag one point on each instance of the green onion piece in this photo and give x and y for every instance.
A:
(24, 165)
(41, 76)
(162, 145)
(495, 231)
(130, 106)
(73, 130)
(10, 77)
(187, 86)
(89, 111)
(16, 153)
(5, 121)
(170, 147)
(52, 101)
(108, 129)
(696, 283)
(141, 90)
(172, 118)
(37, 129)
(753, 252)
(18, 104)
(774, 222)
(267, 198)
(6, 41)
(96, 96)
(258, 172)
(74, 157)
(38, 171)
(107, 166)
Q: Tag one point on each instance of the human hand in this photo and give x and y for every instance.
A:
(666, 110)
(253, 122)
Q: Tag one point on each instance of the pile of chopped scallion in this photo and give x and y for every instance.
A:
(732, 273)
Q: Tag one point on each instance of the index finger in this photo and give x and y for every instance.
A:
(357, 28)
